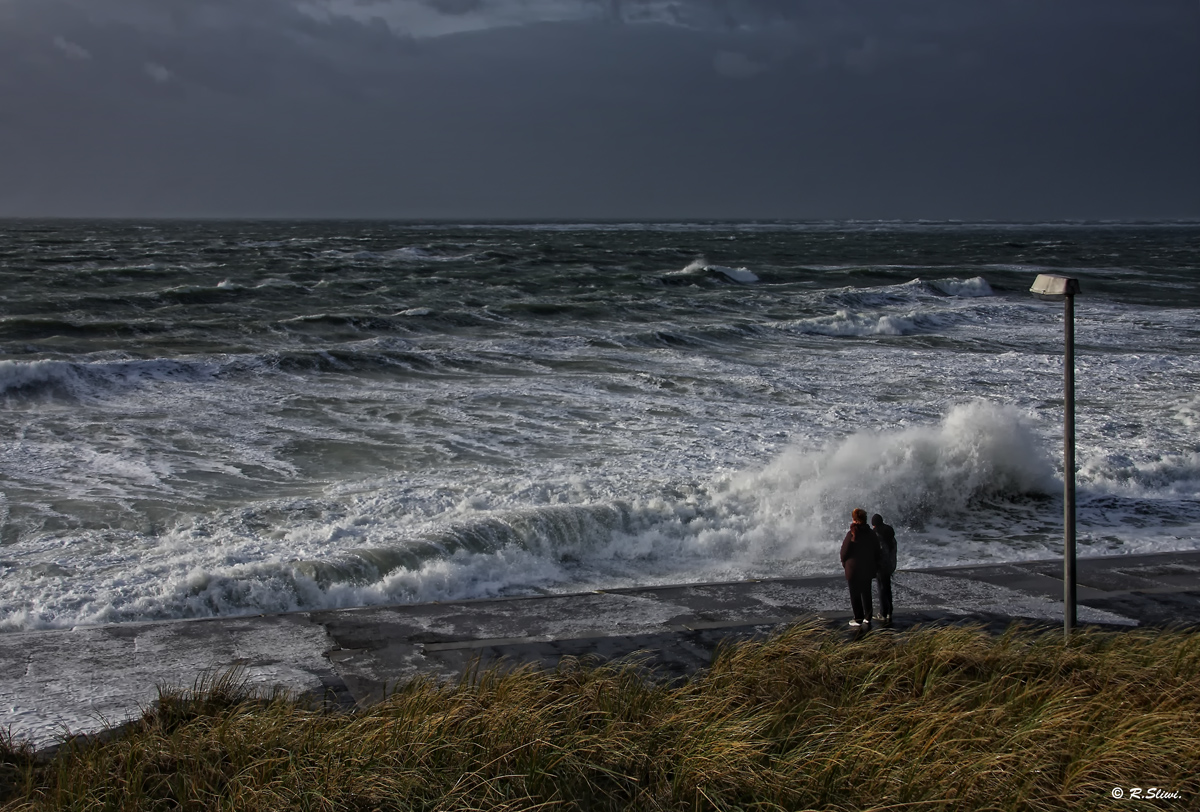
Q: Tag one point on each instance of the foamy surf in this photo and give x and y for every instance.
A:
(948, 486)
(213, 419)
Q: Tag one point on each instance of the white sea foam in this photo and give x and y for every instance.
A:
(374, 548)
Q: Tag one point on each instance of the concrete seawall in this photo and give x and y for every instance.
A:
(86, 679)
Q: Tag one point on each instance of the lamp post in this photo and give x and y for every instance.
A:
(1051, 286)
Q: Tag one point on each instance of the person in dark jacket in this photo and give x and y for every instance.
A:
(887, 565)
(860, 556)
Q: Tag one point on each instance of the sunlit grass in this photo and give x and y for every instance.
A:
(940, 719)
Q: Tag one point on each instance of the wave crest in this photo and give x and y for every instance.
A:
(980, 450)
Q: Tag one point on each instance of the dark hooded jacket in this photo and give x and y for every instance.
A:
(860, 553)
(887, 547)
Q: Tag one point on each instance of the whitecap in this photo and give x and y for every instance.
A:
(742, 276)
(976, 286)
(698, 266)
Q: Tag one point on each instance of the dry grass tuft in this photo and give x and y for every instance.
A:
(931, 719)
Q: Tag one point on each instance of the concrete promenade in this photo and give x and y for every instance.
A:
(85, 679)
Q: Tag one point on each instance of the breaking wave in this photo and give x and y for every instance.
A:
(782, 518)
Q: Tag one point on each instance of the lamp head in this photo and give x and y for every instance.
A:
(1048, 284)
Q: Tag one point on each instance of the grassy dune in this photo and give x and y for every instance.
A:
(929, 719)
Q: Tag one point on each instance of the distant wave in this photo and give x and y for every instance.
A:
(918, 289)
(40, 328)
(700, 268)
(83, 379)
(407, 254)
(848, 323)
(976, 286)
(894, 310)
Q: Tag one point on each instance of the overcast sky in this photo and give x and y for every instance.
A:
(583, 109)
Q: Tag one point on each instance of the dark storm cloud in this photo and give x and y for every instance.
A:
(600, 108)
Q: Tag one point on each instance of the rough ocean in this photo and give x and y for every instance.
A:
(220, 418)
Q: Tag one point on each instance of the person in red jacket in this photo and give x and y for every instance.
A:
(860, 559)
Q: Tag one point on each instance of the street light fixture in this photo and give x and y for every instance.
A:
(1051, 286)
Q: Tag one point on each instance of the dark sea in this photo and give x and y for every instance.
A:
(221, 418)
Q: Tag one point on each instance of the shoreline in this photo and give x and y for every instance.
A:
(85, 680)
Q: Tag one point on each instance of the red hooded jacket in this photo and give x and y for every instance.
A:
(860, 553)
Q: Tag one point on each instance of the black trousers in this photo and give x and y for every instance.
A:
(860, 598)
(885, 593)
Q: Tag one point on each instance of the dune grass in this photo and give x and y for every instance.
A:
(931, 719)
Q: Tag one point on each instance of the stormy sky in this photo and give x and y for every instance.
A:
(601, 109)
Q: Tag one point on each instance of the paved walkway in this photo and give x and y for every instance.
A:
(85, 679)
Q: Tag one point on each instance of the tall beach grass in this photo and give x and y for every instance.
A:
(941, 718)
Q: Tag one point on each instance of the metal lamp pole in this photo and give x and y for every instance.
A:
(1051, 286)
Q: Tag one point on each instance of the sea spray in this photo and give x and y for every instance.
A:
(799, 501)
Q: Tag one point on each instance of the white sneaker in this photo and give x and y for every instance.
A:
(856, 623)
